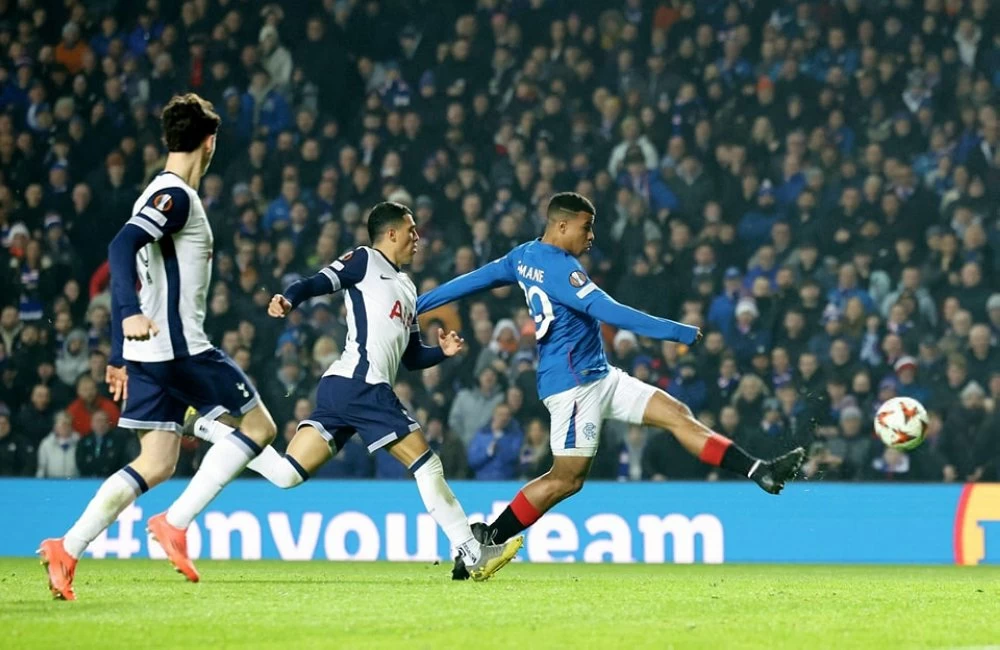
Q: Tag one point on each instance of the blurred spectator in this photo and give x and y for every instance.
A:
(37, 416)
(17, 455)
(105, 450)
(448, 448)
(631, 454)
(494, 451)
(536, 452)
(970, 438)
(87, 403)
(473, 407)
(57, 451)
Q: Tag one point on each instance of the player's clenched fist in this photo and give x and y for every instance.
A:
(451, 343)
(279, 306)
(139, 328)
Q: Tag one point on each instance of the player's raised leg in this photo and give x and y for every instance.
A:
(665, 412)
(283, 470)
(155, 464)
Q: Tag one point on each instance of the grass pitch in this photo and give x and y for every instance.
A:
(143, 604)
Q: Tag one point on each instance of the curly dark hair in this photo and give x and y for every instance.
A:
(187, 120)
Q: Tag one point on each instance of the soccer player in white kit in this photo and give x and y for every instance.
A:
(355, 395)
(162, 359)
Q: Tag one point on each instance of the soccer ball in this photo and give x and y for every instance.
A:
(901, 423)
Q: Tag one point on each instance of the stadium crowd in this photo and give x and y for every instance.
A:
(812, 182)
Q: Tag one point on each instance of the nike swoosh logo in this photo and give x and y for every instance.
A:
(384, 277)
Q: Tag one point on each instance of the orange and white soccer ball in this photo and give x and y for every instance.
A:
(901, 423)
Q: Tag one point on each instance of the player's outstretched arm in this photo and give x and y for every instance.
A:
(608, 310)
(419, 356)
(297, 293)
(495, 274)
(344, 273)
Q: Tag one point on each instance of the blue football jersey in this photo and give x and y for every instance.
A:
(567, 307)
(556, 289)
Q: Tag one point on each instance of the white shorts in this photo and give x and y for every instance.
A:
(577, 413)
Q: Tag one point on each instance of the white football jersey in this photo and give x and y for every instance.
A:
(174, 270)
(381, 305)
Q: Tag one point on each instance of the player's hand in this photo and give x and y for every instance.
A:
(451, 343)
(698, 336)
(279, 306)
(117, 380)
(139, 328)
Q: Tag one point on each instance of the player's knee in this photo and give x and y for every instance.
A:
(568, 485)
(260, 429)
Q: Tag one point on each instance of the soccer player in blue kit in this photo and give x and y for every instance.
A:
(575, 381)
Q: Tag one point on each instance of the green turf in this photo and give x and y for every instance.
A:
(141, 604)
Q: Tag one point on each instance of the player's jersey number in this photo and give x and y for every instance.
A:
(540, 307)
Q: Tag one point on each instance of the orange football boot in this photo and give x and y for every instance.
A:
(61, 567)
(174, 543)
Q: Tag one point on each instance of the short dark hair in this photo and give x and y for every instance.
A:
(187, 120)
(568, 202)
(383, 216)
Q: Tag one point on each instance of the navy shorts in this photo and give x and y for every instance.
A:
(159, 392)
(348, 406)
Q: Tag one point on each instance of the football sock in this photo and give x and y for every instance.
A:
(519, 515)
(282, 470)
(722, 452)
(269, 464)
(442, 505)
(211, 430)
(223, 462)
(115, 494)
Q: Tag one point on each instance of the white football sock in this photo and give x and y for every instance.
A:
(211, 430)
(441, 503)
(115, 494)
(283, 471)
(269, 464)
(223, 462)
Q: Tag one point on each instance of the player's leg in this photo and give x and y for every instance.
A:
(666, 412)
(152, 411)
(156, 461)
(207, 380)
(307, 451)
(481, 560)
(575, 433)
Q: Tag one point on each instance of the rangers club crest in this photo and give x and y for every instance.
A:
(578, 279)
